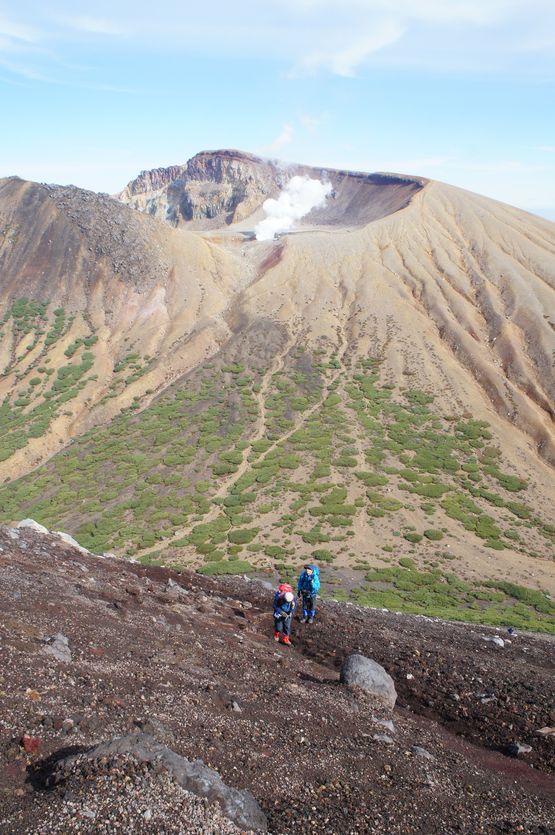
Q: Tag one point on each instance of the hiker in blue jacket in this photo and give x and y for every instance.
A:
(307, 588)
(284, 606)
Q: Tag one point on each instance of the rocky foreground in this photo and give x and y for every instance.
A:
(182, 668)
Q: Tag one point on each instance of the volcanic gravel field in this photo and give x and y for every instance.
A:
(191, 662)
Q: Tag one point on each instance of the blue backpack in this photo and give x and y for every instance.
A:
(315, 579)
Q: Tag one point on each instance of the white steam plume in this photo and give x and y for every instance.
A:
(300, 195)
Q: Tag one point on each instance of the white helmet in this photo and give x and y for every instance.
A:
(289, 596)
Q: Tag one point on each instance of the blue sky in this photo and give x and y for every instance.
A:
(458, 90)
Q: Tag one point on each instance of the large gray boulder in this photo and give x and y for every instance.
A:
(238, 805)
(359, 671)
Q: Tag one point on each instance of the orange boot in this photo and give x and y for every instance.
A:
(287, 641)
(276, 636)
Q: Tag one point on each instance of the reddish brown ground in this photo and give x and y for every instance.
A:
(302, 743)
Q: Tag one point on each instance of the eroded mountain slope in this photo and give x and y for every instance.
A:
(384, 392)
(100, 304)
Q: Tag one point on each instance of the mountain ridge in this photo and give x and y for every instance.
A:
(226, 187)
(309, 362)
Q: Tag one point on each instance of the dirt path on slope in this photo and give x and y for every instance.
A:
(260, 429)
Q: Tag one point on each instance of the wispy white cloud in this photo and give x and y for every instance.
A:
(22, 69)
(21, 50)
(284, 138)
(97, 26)
(309, 122)
(344, 59)
(437, 11)
(351, 32)
(13, 32)
(338, 37)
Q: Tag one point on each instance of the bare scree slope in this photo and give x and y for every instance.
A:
(189, 660)
(373, 391)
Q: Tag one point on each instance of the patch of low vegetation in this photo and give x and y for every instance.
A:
(39, 393)
(219, 568)
(443, 595)
(339, 451)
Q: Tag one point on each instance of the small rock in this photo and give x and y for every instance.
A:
(13, 533)
(494, 639)
(546, 731)
(382, 738)
(386, 723)
(147, 814)
(34, 526)
(68, 725)
(58, 646)
(516, 748)
(418, 751)
(34, 695)
(30, 744)
(90, 723)
(174, 588)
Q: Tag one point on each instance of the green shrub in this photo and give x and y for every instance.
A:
(520, 510)
(496, 544)
(413, 537)
(432, 491)
(371, 479)
(323, 555)
(274, 551)
(214, 556)
(242, 536)
(486, 528)
(224, 469)
(433, 534)
(213, 569)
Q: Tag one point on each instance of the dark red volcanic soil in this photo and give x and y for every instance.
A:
(305, 746)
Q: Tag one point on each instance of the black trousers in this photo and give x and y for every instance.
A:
(309, 604)
(283, 625)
